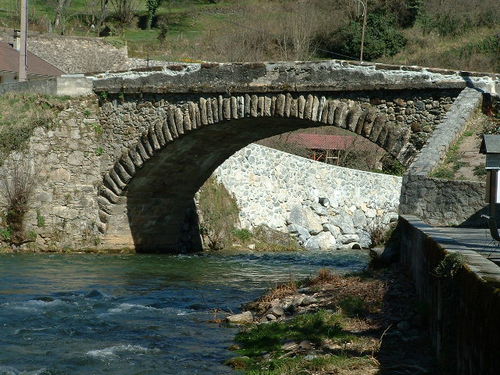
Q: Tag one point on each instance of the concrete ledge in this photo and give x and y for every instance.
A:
(66, 85)
(462, 310)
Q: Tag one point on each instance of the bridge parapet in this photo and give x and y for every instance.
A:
(326, 76)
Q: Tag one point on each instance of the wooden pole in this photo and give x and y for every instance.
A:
(24, 38)
(365, 6)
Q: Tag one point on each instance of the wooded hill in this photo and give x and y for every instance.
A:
(456, 34)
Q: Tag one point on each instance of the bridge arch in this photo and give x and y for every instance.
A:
(147, 190)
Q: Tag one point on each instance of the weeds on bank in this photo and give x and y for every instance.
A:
(313, 327)
(316, 329)
(20, 114)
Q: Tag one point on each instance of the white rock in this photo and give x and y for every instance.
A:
(326, 241)
(333, 229)
(348, 238)
(245, 317)
(344, 222)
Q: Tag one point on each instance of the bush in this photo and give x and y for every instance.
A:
(16, 188)
(382, 38)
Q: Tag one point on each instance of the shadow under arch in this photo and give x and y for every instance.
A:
(147, 209)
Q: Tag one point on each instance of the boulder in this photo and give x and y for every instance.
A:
(348, 238)
(344, 222)
(326, 241)
(359, 219)
(305, 218)
(333, 229)
(319, 209)
(302, 232)
(312, 244)
(245, 317)
(277, 310)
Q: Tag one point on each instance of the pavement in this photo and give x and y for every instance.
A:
(475, 239)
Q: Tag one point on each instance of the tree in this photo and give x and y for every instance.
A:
(61, 14)
(125, 10)
(99, 10)
(152, 6)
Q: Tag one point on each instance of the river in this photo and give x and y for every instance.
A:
(135, 314)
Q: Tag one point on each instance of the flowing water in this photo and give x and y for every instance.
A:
(135, 314)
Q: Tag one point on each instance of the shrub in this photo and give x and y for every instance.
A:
(16, 189)
(382, 38)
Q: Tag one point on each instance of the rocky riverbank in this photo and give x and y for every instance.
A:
(370, 323)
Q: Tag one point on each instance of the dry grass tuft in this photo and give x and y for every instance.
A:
(280, 291)
(325, 276)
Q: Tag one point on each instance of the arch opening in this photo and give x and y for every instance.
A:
(156, 211)
(145, 196)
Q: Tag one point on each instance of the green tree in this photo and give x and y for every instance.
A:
(382, 37)
(152, 6)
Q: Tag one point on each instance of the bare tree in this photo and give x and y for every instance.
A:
(125, 10)
(17, 185)
(99, 10)
(61, 14)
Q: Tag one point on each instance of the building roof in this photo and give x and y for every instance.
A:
(9, 61)
(490, 144)
(328, 141)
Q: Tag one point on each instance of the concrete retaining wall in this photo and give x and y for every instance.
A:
(325, 206)
(463, 310)
(76, 85)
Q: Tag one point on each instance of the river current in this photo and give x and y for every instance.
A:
(135, 314)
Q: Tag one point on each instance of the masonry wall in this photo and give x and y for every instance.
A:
(79, 54)
(439, 201)
(325, 206)
(463, 309)
(62, 160)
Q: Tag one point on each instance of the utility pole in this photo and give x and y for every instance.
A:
(364, 3)
(24, 39)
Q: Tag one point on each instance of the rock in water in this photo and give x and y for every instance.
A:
(245, 317)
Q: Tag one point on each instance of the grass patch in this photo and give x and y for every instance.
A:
(300, 365)
(219, 214)
(453, 161)
(313, 327)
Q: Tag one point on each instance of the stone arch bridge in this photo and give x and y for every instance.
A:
(166, 131)
(126, 177)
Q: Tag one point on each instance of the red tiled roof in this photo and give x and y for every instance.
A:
(9, 61)
(327, 141)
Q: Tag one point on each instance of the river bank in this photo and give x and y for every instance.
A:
(357, 324)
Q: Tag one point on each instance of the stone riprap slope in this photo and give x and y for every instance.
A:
(325, 206)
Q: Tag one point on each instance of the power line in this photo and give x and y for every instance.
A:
(241, 26)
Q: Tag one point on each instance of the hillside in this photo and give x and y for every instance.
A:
(456, 34)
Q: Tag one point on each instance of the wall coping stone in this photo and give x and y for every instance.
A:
(298, 76)
(484, 269)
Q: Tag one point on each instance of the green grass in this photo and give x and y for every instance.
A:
(453, 161)
(300, 365)
(312, 327)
